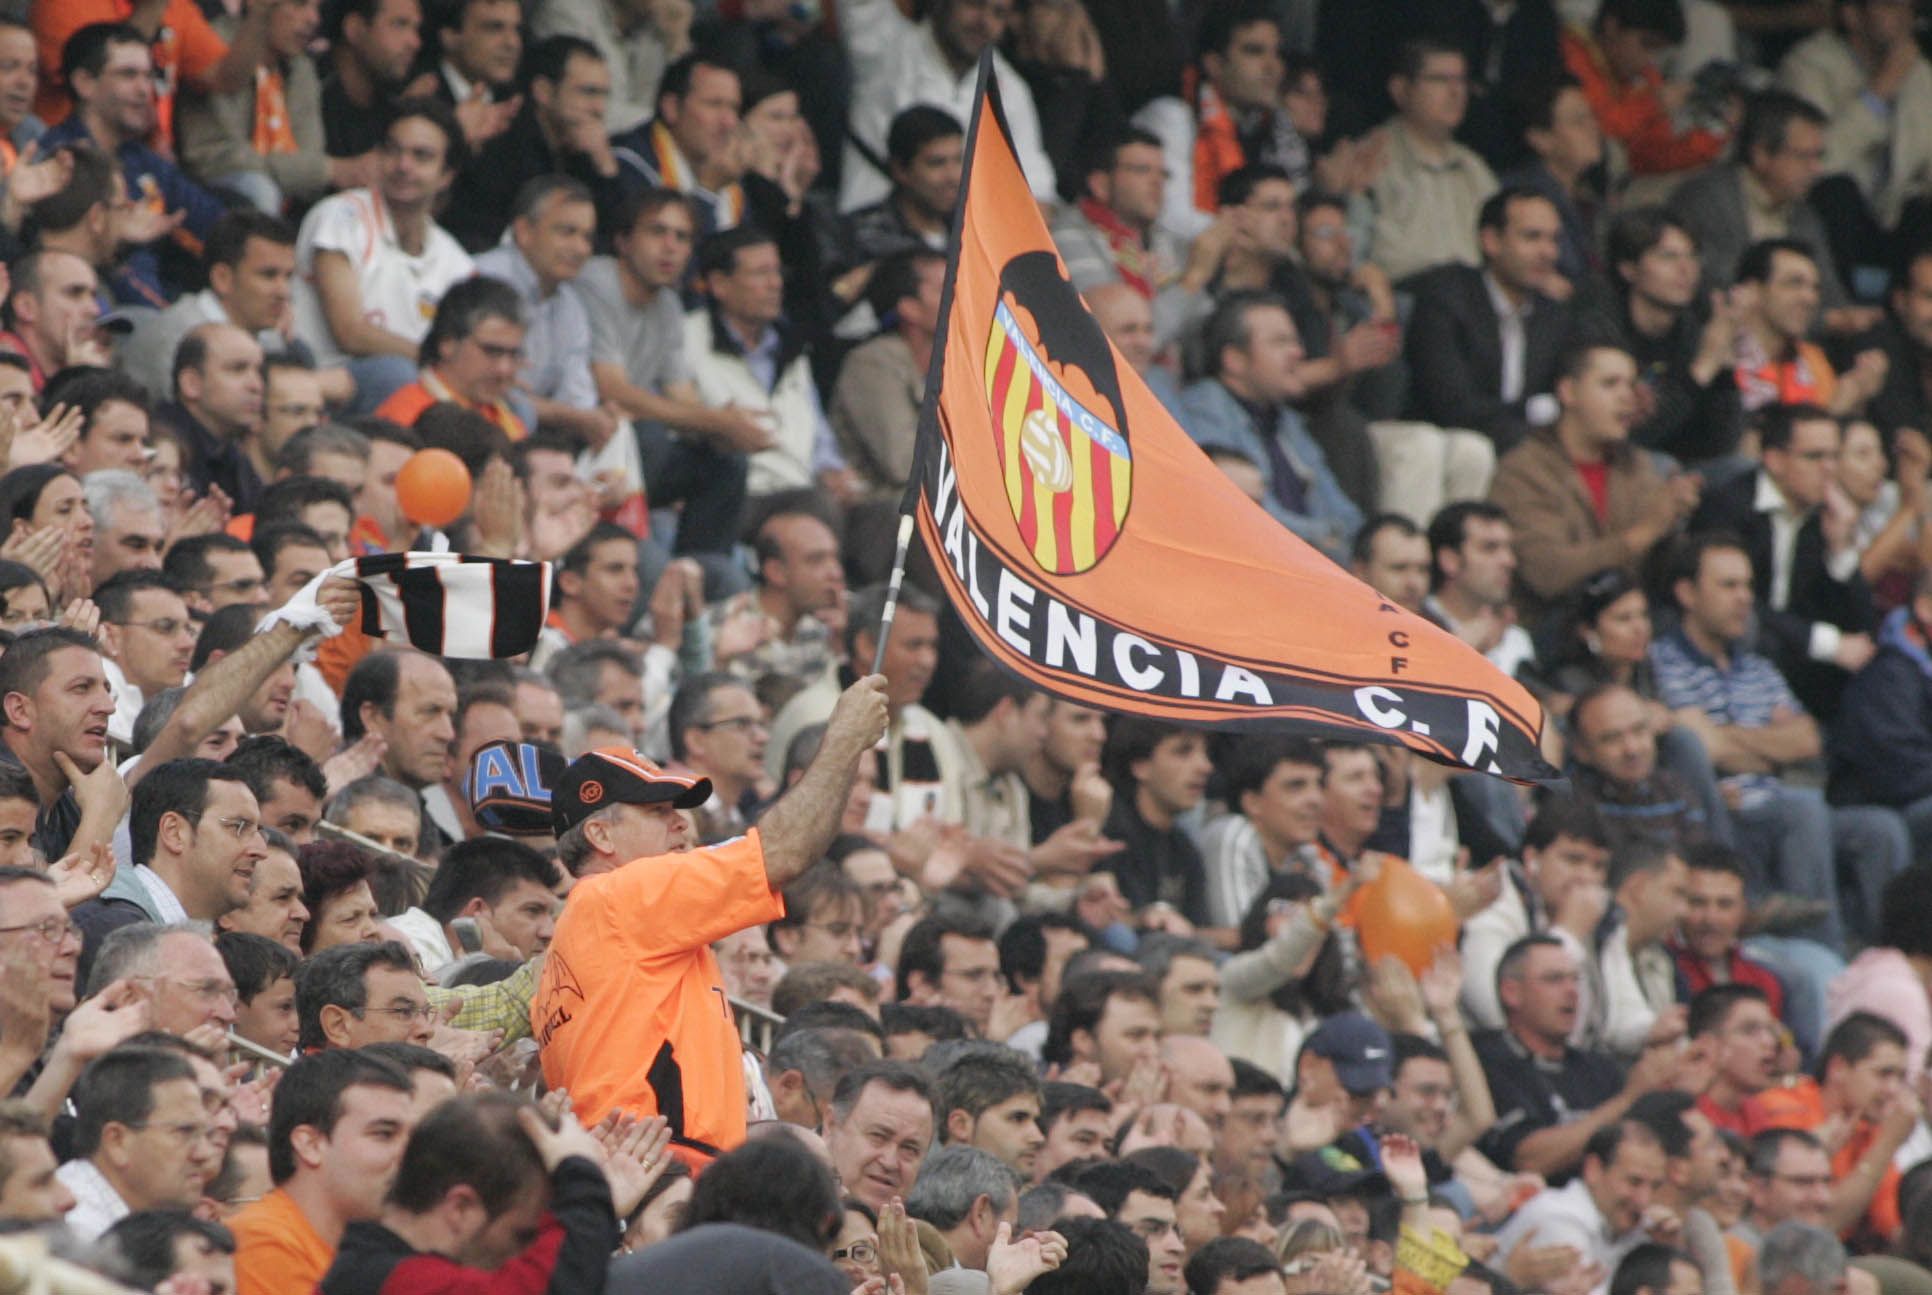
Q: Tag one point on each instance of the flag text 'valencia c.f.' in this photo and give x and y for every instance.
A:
(1093, 549)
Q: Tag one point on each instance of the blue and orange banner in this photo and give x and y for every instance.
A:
(1093, 549)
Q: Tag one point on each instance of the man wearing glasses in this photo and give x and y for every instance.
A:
(147, 641)
(216, 571)
(471, 356)
(718, 732)
(142, 1139)
(353, 995)
(195, 839)
(174, 974)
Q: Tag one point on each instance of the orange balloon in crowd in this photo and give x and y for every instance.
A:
(1403, 913)
(433, 488)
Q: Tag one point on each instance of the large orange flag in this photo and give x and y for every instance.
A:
(1091, 548)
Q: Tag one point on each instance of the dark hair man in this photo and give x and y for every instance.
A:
(485, 1183)
(337, 1125)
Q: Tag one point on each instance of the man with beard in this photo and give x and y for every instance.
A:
(372, 46)
(925, 157)
(1624, 509)
(1063, 780)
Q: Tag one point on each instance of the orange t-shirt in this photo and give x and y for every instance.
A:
(1805, 379)
(185, 47)
(406, 405)
(631, 1010)
(277, 1250)
(1802, 1106)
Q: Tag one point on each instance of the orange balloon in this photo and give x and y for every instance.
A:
(433, 488)
(1403, 913)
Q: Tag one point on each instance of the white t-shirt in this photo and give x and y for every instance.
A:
(399, 291)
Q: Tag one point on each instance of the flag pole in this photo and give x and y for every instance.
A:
(892, 591)
(928, 429)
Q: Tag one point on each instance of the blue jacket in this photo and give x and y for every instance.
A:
(1216, 420)
(141, 282)
(1881, 744)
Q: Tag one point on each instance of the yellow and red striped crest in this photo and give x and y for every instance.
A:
(1069, 472)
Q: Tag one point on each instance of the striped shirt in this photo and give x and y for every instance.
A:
(1747, 693)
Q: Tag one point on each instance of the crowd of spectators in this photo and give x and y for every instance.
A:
(686, 953)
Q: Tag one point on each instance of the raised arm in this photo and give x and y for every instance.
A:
(218, 690)
(797, 830)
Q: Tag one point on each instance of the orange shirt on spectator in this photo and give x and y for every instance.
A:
(1633, 112)
(408, 403)
(631, 1011)
(1802, 1106)
(277, 1249)
(1805, 379)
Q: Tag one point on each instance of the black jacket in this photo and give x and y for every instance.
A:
(480, 201)
(1455, 354)
(1785, 635)
(1881, 745)
(1904, 400)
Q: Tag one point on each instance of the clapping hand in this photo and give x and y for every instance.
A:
(635, 1156)
(1012, 1265)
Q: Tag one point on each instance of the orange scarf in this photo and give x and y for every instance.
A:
(273, 134)
(1217, 149)
(497, 411)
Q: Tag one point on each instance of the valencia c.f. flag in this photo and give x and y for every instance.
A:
(1091, 548)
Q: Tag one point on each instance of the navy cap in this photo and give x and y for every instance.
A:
(1359, 1049)
(612, 775)
(1331, 1171)
(508, 786)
